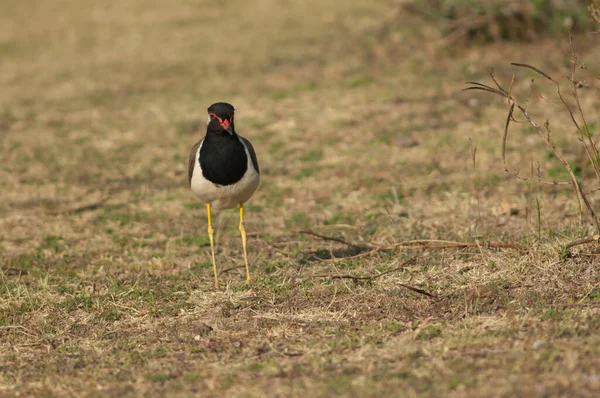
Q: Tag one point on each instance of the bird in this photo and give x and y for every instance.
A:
(223, 172)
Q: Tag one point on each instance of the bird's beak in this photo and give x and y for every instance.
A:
(226, 124)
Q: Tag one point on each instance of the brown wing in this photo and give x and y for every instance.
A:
(192, 161)
(252, 154)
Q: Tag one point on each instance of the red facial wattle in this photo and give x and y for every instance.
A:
(223, 122)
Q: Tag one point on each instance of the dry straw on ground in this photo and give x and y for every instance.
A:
(410, 275)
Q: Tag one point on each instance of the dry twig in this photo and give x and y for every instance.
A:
(582, 241)
(545, 133)
(595, 12)
(417, 244)
(371, 277)
(333, 239)
(226, 270)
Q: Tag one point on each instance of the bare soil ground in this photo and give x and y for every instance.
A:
(363, 135)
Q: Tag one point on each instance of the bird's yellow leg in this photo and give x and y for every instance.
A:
(243, 232)
(211, 233)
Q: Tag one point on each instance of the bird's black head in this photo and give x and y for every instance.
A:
(223, 113)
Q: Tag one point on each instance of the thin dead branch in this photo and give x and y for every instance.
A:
(589, 144)
(334, 239)
(417, 244)
(371, 277)
(226, 270)
(592, 150)
(595, 11)
(582, 241)
(368, 277)
(533, 68)
(545, 134)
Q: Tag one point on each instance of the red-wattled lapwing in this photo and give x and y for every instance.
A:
(223, 171)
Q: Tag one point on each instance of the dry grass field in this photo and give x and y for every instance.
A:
(366, 142)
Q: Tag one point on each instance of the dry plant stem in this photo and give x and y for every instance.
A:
(514, 173)
(417, 244)
(592, 151)
(338, 276)
(595, 11)
(226, 270)
(544, 133)
(410, 244)
(582, 241)
(333, 239)
(371, 277)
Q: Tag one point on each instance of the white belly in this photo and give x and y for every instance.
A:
(224, 196)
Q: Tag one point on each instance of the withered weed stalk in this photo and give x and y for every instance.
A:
(546, 134)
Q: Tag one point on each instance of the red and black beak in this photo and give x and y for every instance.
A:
(225, 123)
